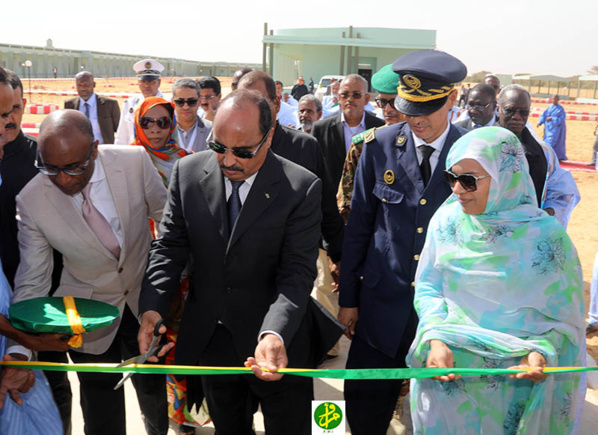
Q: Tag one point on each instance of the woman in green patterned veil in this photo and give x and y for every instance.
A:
(499, 285)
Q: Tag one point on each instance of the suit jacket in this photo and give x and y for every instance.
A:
(331, 135)
(108, 115)
(49, 219)
(204, 127)
(304, 150)
(468, 123)
(254, 278)
(386, 232)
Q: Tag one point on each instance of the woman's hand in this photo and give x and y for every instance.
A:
(441, 356)
(536, 362)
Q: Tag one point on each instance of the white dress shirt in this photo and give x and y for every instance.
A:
(437, 145)
(93, 116)
(352, 131)
(102, 199)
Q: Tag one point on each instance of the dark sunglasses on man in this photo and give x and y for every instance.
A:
(163, 122)
(382, 102)
(354, 95)
(469, 182)
(511, 111)
(191, 102)
(240, 152)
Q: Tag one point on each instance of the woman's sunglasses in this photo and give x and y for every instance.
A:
(163, 122)
(467, 181)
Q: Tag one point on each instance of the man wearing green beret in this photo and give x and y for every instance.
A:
(385, 82)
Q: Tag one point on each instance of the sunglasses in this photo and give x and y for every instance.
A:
(163, 122)
(240, 152)
(53, 171)
(467, 181)
(354, 95)
(191, 102)
(382, 102)
(511, 111)
(478, 108)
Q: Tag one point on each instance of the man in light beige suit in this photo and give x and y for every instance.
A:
(121, 184)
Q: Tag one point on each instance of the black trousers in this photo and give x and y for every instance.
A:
(370, 404)
(233, 399)
(103, 407)
(61, 387)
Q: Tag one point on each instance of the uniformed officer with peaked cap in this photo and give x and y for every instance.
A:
(148, 79)
(399, 185)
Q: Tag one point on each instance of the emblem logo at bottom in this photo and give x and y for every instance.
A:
(328, 417)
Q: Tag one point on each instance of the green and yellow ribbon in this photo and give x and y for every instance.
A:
(75, 323)
(353, 374)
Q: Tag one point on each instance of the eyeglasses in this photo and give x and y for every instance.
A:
(240, 152)
(511, 111)
(346, 95)
(469, 182)
(207, 97)
(53, 171)
(191, 102)
(163, 122)
(382, 102)
(479, 108)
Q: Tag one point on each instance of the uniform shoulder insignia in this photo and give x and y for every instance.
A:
(370, 135)
(358, 138)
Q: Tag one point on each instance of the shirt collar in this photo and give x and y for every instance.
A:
(362, 123)
(93, 100)
(98, 171)
(437, 144)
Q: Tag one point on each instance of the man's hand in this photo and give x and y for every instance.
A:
(335, 271)
(349, 317)
(45, 342)
(536, 362)
(271, 354)
(550, 211)
(549, 119)
(15, 380)
(441, 356)
(146, 334)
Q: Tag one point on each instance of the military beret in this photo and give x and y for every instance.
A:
(386, 80)
(426, 78)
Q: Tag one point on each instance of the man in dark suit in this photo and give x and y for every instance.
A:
(481, 108)
(335, 133)
(399, 184)
(250, 222)
(103, 112)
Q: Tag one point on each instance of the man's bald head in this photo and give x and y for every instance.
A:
(237, 76)
(66, 146)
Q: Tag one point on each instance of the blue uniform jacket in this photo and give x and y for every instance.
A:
(386, 232)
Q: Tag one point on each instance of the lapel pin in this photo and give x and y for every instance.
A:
(267, 195)
(389, 177)
(400, 140)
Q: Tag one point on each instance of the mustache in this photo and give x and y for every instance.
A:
(231, 168)
(10, 125)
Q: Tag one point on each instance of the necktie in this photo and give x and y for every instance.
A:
(425, 167)
(98, 223)
(234, 204)
(86, 109)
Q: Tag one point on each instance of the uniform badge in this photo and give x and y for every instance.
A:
(370, 135)
(389, 177)
(131, 110)
(412, 81)
(400, 140)
(148, 65)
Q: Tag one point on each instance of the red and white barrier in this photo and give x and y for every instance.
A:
(593, 117)
(74, 94)
(30, 125)
(31, 131)
(564, 102)
(40, 109)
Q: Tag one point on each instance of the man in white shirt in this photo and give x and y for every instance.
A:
(103, 112)
(287, 114)
(92, 204)
(148, 78)
(210, 94)
(192, 131)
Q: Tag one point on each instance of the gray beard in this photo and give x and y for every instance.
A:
(306, 126)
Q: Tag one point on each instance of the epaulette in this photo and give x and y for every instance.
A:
(358, 138)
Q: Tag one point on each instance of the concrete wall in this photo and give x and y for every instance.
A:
(70, 62)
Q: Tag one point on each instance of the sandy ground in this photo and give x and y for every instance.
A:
(583, 227)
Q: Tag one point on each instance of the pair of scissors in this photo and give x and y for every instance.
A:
(140, 359)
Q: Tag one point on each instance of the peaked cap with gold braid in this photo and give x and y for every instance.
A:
(426, 78)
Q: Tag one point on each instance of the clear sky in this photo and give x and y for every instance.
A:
(509, 36)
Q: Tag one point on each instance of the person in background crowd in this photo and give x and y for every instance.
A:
(103, 112)
(556, 189)
(210, 95)
(148, 78)
(191, 131)
(299, 89)
(310, 111)
(481, 108)
(555, 128)
(237, 76)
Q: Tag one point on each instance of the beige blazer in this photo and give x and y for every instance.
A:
(47, 218)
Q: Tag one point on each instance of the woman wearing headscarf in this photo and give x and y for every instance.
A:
(154, 127)
(155, 124)
(499, 285)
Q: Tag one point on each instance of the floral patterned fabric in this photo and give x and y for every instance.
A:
(494, 287)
